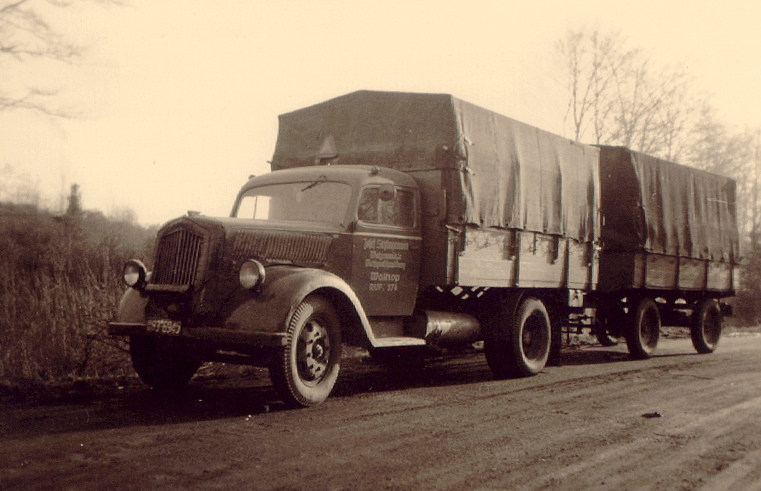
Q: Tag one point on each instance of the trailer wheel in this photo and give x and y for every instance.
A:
(643, 329)
(706, 326)
(306, 370)
(522, 345)
(160, 362)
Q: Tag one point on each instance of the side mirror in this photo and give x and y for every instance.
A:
(387, 192)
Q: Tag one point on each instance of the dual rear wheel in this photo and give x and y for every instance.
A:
(520, 339)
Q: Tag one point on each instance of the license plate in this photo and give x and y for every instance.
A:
(164, 326)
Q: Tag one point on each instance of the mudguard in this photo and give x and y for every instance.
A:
(132, 307)
(258, 316)
(284, 289)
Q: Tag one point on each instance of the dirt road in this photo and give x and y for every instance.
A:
(599, 421)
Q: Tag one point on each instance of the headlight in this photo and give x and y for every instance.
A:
(251, 274)
(134, 274)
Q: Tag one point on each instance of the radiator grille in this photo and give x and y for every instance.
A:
(177, 258)
(275, 246)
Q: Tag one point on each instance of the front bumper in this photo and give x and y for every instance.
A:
(211, 335)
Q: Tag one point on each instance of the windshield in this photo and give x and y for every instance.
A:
(314, 201)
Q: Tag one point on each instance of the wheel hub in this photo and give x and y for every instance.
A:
(532, 338)
(313, 352)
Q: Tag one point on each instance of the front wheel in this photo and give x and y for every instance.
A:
(161, 362)
(305, 372)
(643, 329)
(520, 345)
(705, 330)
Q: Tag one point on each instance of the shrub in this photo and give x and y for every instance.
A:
(59, 287)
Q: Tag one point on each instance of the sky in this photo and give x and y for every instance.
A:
(178, 100)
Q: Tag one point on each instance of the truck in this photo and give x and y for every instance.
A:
(408, 223)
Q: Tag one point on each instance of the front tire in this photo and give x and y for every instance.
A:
(643, 329)
(706, 327)
(306, 370)
(160, 362)
(520, 347)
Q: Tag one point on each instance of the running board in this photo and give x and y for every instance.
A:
(398, 341)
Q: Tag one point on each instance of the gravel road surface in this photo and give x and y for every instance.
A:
(599, 421)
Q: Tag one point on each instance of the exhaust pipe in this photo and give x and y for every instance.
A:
(445, 329)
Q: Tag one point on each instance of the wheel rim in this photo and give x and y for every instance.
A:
(712, 327)
(648, 329)
(534, 338)
(313, 352)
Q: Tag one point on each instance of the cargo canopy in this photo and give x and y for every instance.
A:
(498, 172)
(666, 208)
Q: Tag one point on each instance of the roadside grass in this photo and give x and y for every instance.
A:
(54, 328)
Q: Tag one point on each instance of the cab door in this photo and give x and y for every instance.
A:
(386, 250)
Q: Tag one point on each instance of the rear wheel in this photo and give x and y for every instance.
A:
(706, 326)
(643, 329)
(161, 362)
(520, 343)
(305, 372)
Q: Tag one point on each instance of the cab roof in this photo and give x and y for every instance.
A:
(354, 175)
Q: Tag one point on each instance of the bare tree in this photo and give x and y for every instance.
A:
(678, 114)
(589, 59)
(715, 147)
(616, 92)
(26, 35)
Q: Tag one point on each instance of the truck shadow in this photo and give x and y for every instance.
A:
(250, 396)
(364, 375)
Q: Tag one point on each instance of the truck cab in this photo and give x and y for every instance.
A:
(375, 217)
(308, 259)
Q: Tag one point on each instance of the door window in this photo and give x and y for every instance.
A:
(398, 211)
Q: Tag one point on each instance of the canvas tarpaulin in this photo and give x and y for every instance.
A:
(666, 208)
(507, 174)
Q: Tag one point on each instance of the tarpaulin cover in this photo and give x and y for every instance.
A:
(508, 174)
(666, 208)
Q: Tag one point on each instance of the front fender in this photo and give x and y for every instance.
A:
(284, 289)
(132, 307)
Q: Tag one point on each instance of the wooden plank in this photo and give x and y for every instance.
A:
(661, 271)
(692, 274)
(582, 272)
(541, 262)
(487, 259)
(719, 277)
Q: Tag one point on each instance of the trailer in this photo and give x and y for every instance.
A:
(408, 223)
(670, 249)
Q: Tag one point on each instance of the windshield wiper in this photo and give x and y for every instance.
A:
(317, 181)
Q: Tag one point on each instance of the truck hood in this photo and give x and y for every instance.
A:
(230, 241)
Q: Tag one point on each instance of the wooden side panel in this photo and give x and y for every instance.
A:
(582, 266)
(661, 272)
(541, 261)
(501, 258)
(639, 269)
(488, 259)
(692, 274)
(719, 276)
(620, 270)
